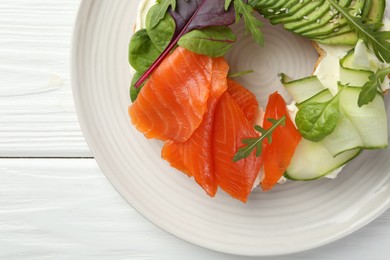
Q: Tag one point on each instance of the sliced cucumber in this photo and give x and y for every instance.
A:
(302, 89)
(360, 57)
(354, 77)
(348, 60)
(312, 161)
(344, 137)
(357, 58)
(358, 127)
(369, 120)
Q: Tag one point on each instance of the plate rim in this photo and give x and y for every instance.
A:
(368, 218)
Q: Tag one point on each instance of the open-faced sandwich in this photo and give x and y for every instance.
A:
(213, 128)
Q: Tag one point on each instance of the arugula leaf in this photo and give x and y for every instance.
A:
(227, 4)
(211, 41)
(316, 120)
(376, 40)
(142, 52)
(240, 73)
(252, 24)
(161, 9)
(162, 33)
(257, 142)
(191, 15)
(371, 87)
(256, 4)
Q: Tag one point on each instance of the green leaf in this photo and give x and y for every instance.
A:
(257, 143)
(162, 33)
(162, 8)
(371, 87)
(240, 73)
(212, 41)
(134, 91)
(256, 4)
(317, 120)
(142, 52)
(252, 24)
(227, 4)
(376, 40)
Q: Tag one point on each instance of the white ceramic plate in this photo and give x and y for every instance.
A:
(293, 217)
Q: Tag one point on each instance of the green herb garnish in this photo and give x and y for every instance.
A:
(240, 73)
(316, 120)
(257, 142)
(162, 6)
(227, 4)
(252, 24)
(162, 32)
(142, 51)
(213, 41)
(371, 87)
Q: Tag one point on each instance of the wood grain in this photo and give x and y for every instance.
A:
(66, 209)
(37, 115)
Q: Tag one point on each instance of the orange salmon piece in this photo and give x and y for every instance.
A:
(245, 99)
(173, 101)
(195, 156)
(230, 128)
(278, 154)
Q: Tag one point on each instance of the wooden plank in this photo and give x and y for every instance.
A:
(66, 209)
(37, 115)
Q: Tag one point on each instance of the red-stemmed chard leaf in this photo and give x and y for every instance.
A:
(190, 15)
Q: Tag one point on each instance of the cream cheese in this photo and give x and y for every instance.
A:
(328, 70)
(142, 11)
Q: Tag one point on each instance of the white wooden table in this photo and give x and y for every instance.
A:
(55, 203)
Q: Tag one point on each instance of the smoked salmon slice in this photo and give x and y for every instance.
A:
(195, 156)
(173, 101)
(278, 154)
(245, 99)
(230, 128)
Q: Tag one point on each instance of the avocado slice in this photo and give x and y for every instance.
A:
(343, 39)
(376, 11)
(373, 10)
(291, 9)
(321, 22)
(267, 4)
(366, 8)
(337, 22)
(274, 7)
(313, 17)
(278, 11)
(302, 13)
(317, 19)
(342, 30)
(257, 4)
